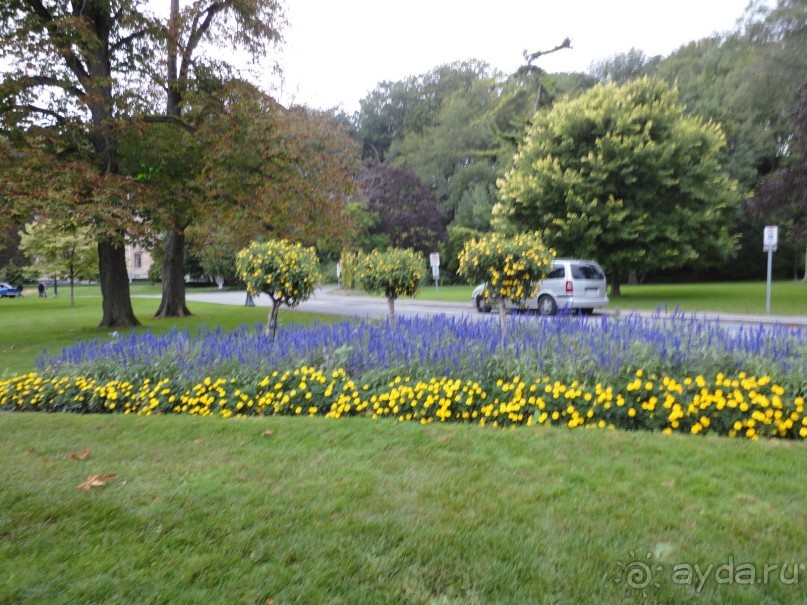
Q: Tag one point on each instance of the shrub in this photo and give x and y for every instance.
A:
(510, 266)
(393, 273)
(287, 273)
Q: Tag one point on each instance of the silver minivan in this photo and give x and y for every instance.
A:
(571, 284)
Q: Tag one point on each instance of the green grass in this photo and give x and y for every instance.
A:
(30, 324)
(356, 511)
(787, 297)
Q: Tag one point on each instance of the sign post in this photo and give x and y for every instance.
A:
(770, 239)
(434, 261)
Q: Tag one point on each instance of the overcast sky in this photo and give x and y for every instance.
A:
(336, 51)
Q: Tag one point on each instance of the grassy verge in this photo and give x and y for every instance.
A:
(787, 297)
(30, 324)
(291, 510)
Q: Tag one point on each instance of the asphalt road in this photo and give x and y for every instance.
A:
(329, 299)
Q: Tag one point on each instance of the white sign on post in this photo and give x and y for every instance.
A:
(434, 261)
(770, 238)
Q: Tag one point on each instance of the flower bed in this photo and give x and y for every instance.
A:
(679, 375)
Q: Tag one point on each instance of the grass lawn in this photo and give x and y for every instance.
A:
(30, 324)
(787, 297)
(297, 510)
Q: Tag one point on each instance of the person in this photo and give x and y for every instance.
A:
(41, 288)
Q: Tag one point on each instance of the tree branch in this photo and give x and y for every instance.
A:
(26, 82)
(197, 32)
(170, 120)
(63, 47)
(43, 110)
(128, 39)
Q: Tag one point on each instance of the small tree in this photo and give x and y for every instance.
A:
(393, 273)
(58, 250)
(287, 273)
(511, 267)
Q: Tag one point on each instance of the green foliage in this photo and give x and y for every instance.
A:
(510, 266)
(450, 252)
(60, 249)
(286, 272)
(351, 263)
(623, 175)
(393, 273)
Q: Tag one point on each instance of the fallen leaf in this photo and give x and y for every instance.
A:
(270, 602)
(82, 456)
(267, 433)
(197, 441)
(95, 481)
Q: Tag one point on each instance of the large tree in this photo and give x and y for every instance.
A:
(68, 61)
(250, 25)
(623, 175)
(268, 171)
(406, 209)
(782, 197)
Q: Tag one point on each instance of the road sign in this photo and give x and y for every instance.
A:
(434, 259)
(770, 238)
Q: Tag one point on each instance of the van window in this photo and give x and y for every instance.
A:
(557, 272)
(586, 272)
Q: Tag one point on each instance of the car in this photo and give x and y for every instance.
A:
(571, 284)
(9, 291)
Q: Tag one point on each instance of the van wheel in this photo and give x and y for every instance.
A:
(481, 306)
(547, 306)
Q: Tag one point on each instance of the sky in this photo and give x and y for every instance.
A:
(337, 51)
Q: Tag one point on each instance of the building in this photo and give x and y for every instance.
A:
(138, 262)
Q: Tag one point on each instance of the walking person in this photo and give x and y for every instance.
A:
(41, 288)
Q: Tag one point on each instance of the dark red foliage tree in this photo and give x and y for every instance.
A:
(406, 210)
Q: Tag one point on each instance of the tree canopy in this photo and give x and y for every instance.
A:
(623, 175)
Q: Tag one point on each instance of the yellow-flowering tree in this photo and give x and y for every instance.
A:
(511, 267)
(286, 272)
(393, 273)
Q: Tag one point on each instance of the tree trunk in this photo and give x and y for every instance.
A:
(173, 274)
(391, 305)
(271, 324)
(117, 306)
(615, 289)
(502, 322)
(72, 286)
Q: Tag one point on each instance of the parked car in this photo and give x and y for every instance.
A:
(9, 291)
(571, 284)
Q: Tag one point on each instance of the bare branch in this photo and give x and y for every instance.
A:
(567, 43)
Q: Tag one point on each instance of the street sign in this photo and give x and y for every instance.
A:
(434, 259)
(770, 238)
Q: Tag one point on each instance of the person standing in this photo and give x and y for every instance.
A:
(41, 288)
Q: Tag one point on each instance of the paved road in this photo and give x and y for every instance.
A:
(329, 299)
